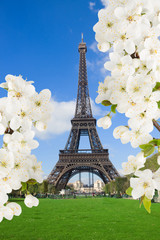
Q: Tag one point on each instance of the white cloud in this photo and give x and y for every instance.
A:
(104, 2)
(93, 47)
(63, 112)
(60, 120)
(103, 71)
(90, 65)
(96, 110)
(91, 5)
(97, 65)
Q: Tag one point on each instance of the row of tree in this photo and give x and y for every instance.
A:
(118, 186)
(38, 188)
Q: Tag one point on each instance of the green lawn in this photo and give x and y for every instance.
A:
(83, 219)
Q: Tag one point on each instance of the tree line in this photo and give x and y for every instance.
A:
(117, 186)
(37, 188)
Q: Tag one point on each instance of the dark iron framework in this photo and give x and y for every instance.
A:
(73, 160)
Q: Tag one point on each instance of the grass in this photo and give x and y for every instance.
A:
(83, 219)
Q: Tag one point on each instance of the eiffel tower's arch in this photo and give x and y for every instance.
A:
(73, 159)
(76, 169)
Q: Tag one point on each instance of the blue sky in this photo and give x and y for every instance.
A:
(39, 40)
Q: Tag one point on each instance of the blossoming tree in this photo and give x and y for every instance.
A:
(21, 111)
(130, 30)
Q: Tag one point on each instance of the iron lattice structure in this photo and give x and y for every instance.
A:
(73, 160)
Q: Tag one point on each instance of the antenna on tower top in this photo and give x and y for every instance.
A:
(82, 37)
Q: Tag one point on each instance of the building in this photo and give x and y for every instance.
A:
(96, 187)
(78, 185)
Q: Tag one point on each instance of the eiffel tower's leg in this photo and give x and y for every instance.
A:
(73, 140)
(94, 139)
(112, 171)
(57, 171)
(61, 184)
(102, 177)
(69, 140)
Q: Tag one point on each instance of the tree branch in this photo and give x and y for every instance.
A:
(156, 125)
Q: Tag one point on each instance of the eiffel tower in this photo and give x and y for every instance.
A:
(73, 160)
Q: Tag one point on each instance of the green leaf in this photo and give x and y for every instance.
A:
(145, 146)
(155, 142)
(147, 204)
(24, 186)
(158, 104)
(106, 103)
(149, 151)
(32, 181)
(157, 87)
(129, 191)
(113, 108)
(141, 201)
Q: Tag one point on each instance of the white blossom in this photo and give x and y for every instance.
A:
(3, 198)
(18, 87)
(132, 35)
(103, 90)
(31, 201)
(40, 104)
(104, 122)
(15, 207)
(138, 87)
(22, 109)
(36, 169)
(6, 162)
(137, 137)
(4, 186)
(6, 213)
(143, 184)
(134, 163)
(40, 126)
(119, 131)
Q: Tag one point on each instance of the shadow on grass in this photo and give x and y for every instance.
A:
(16, 200)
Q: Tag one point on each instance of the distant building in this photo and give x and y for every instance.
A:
(98, 186)
(80, 187)
(77, 185)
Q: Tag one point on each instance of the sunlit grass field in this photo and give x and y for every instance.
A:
(83, 219)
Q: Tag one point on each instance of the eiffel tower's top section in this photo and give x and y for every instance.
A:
(83, 106)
